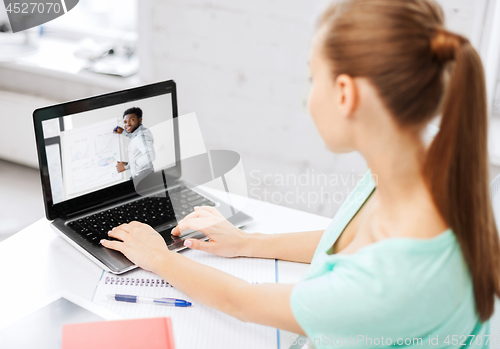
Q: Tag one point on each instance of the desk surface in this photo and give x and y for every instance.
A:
(37, 263)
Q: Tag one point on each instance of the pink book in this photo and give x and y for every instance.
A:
(154, 333)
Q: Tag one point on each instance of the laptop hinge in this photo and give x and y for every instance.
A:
(101, 205)
(114, 201)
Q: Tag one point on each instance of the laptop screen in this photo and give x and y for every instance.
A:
(102, 147)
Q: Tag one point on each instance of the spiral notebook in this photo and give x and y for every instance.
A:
(197, 326)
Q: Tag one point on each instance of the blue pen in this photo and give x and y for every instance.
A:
(159, 301)
(116, 128)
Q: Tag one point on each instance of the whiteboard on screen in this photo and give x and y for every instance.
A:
(89, 156)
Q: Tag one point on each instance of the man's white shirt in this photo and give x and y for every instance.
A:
(141, 151)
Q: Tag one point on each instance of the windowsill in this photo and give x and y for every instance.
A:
(43, 68)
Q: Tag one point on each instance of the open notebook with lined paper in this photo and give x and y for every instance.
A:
(197, 326)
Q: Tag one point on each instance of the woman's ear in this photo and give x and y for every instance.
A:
(347, 95)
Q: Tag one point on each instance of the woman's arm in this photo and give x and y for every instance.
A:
(266, 304)
(228, 241)
(294, 247)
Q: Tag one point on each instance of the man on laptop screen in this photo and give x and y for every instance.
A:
(141, 152)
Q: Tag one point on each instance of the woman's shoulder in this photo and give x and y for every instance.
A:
(401, 268)
(413, 260)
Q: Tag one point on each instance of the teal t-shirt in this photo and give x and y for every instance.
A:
(390, 293)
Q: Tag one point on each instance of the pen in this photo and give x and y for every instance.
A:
(116, 128)
(159, 301)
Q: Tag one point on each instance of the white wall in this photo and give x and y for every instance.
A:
(242, 67)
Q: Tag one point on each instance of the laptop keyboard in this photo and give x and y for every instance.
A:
(154, 210)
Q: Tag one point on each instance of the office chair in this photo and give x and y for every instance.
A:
(495, 319)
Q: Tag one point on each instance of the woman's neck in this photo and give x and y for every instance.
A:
(396, 164)
(402, 197)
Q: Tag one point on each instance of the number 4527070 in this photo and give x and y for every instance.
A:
(33, 7)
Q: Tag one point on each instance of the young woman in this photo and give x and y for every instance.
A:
(414, 251)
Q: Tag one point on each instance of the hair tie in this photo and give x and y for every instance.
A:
(444, 45)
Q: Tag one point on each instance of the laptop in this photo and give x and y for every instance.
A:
(95, 153)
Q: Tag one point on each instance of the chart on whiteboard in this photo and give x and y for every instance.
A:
(89, 155)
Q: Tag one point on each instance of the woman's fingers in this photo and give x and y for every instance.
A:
(124, 226)
(202, 217)
(176, 231)
(118, 233)
(187, 223)
(180, 227)
(209, 209)
(200, 224)
(114, 245)
(200, 245)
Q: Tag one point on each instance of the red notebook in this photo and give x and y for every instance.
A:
(154, 333)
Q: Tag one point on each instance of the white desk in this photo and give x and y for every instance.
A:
(36, 263)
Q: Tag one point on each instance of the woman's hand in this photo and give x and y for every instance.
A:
(225, 239)
(140, 243)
